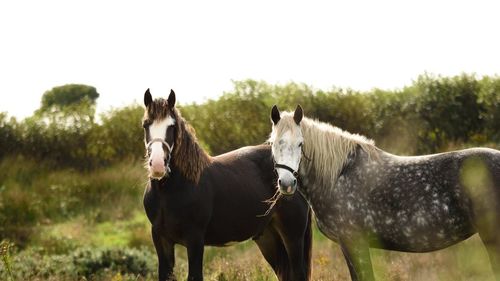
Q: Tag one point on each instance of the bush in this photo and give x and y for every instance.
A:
(9, 135)
(91, 263)
(424, 117)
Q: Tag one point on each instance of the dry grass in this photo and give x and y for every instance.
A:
(466, 261)
(243, 262)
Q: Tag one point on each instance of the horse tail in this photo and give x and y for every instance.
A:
(308, 246)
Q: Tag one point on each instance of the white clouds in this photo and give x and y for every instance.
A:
(197, 47)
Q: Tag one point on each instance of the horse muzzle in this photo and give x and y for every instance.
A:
(158, 160)
(158, 169)
(287, 187)
(287, 183)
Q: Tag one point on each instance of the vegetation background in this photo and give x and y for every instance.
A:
(71, 182)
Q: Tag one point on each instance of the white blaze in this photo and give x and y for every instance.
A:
(158, 130)
(286, 151)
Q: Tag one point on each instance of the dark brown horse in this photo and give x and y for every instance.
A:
(193, 199)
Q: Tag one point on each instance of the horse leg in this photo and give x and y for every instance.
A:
(295, 241)
(295, 249)
(273, 250)
(166, 256)
(487, 222)
(195, 248)
(357, 256)
(493, 248)
(490, 235)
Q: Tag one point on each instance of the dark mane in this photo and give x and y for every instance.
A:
(188, 156)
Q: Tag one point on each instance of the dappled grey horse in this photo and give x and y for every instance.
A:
(365, 197)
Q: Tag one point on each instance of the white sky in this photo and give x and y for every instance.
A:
(198, 47)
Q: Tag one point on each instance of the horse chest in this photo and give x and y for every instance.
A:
(327, 211)
(175, 214)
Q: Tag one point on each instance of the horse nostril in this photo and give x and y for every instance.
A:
(150, 162)
(294, 182)
(165, 162)
(279, 182)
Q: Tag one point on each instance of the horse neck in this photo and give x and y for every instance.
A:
(189, 157)
(325, 153)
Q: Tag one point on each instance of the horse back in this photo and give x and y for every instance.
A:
(418, 203)
(241, 182)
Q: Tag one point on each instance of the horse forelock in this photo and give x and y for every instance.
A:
(157, 110)
(188, 156)
(326, 147)
(286, 124)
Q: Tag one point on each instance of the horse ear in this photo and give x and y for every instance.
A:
(148, 99)
(171, 99)
(275, 115)
(297, 116)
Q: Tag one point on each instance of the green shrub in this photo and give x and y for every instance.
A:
(90, 263)
(431, 113)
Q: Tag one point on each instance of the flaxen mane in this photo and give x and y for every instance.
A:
(188, 155)
(326, 148)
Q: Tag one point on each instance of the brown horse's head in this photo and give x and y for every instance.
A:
(159, 133)
(170, 141)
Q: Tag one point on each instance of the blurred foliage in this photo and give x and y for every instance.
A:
(71, 105)
(61, 97)
(433, 114)
(450, 110)
(9, 135)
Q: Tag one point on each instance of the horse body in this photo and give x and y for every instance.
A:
(410, 204)
(194, 200)
(226, 207)
(211, 204)
(364, 197)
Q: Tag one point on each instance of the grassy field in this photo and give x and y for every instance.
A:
(68, 225)
(466, 261)
(118, 260)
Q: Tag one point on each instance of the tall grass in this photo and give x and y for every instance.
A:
(68, 225)
(33, 195)
(5, 256)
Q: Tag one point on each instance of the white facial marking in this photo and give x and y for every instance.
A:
(286, 151)
(158, 129)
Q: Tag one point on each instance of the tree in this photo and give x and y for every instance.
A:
(68, 95)
(71, 104)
